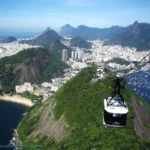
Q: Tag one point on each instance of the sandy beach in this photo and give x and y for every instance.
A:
(17, 99)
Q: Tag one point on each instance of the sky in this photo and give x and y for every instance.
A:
(35, 15)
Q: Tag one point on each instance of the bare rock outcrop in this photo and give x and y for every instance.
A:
(142, 117)
(56, 129)
(32, 71)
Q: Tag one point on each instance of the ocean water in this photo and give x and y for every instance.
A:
(17, 34)
(140, 83)
(1, 37)
(10, 116)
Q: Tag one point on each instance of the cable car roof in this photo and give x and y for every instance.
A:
(115, 106)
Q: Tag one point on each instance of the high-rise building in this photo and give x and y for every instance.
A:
(77, 54)
(64, 55)
(73, 54)
(80, 54)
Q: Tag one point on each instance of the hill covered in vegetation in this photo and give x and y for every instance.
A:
(80, 42)
(8, 39)
(44, 39)
(72, 119)
(56, 49)
(50, 40)
(120, 61)
(30, 65)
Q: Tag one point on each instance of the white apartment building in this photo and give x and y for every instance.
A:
(64, 55)
(79, 54)
(23, 88)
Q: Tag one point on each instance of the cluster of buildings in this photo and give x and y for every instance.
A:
(8, 49)
(77, 65)
(80, 58)
(116, 66)
(76, 54)
(100, 74)
(100, 53)
(105, 53)
(79, 54)
(46, 89)
(23, 88)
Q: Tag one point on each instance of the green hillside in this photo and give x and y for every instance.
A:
(44, 39)
(80, 103)
(51, 40)
(56, 49)
(120, 61)
(30, 65)
(80, 42)
(8, 39)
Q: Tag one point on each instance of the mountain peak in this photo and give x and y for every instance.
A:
(66, 29)
(47, 29)
(44, 39)
(135, 23)
(40, 33)
(136, 30)
(67, 25)
(81, 26)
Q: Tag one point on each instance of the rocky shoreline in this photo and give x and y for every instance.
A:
(15, 141)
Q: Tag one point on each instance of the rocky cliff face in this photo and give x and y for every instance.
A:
(33, 67)
(66, 30)
(135, 30)
(30, 65)
(49, 126)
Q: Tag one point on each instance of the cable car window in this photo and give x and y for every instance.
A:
(117, 115)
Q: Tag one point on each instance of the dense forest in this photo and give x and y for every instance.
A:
(80, 102)
(80, 42)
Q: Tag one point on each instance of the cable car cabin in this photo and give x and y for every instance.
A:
(115, 112)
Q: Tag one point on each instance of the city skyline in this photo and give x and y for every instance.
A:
(35, 16)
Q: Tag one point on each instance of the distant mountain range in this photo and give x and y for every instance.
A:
(132, 35)
(48, 37)
(8, 39)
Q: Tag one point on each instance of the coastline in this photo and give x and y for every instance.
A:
(17, 99)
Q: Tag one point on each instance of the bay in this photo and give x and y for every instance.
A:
(140, 83)
(10, 116)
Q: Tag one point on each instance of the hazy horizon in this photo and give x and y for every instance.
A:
(34, 16)
(28, 34)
